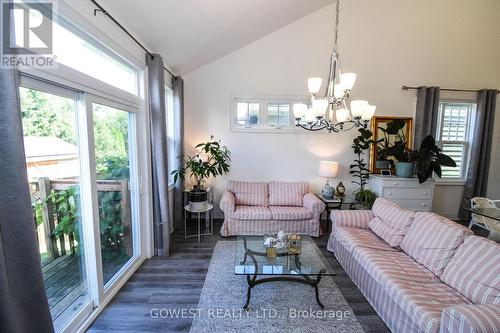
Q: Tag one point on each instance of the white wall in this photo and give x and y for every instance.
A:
(388, 43)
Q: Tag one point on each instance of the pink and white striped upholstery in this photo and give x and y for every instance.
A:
(287, 194)
(474, 270)
(391, 222)
(351, 218)
(233, 227)
(433, 240)
(249, 193)
(252, 213)
(290, 213)
(352, 238)
(471, 319)
(385, 266)
(313, 204)
(227, 203)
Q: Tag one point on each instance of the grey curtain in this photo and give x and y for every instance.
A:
(23, 301)
(159, 163)
(426, 116)
(178, 88)
(476, 183)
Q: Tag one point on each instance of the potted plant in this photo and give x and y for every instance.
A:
(393, 128)
(358, 169)
(366, 198)
(213, 159)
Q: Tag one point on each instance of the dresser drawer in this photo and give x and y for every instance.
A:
(394, 183)
(408, 193)
(414, 204)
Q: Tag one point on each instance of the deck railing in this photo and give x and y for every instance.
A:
(57, 246)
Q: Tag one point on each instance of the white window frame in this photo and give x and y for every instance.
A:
(467, 141)
(170, 93)
(57, 81)
(264, 100)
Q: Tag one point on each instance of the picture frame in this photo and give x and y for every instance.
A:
(378, 122)
(385, 172)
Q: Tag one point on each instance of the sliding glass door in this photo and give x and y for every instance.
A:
(53, 165)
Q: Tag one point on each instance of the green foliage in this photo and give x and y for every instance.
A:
(358, 169)
(430, 159)
(47, 115)
(216, 161)
(366, 197)
(65, 204)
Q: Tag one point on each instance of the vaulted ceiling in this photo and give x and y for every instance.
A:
(191, 33)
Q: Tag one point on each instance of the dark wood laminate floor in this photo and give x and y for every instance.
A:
(176, 282)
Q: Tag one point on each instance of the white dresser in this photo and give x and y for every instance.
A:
(405, 192)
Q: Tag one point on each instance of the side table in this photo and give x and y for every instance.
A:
(335, 203)
(209, 212)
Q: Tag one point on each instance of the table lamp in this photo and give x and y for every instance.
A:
(329, 170)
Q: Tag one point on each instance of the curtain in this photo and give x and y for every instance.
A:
(23, 301)
(479, 163)
(426, 116)
(159, 163)
(178, 88)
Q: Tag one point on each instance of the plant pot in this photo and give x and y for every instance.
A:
(405, 169)
(382, 164)
(198, 199)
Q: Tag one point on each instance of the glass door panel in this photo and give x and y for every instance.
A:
(53, 166)
(112, 128)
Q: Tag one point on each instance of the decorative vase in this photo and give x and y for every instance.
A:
(328, 191)
(198, 200)
(382, 164)
(405, 169)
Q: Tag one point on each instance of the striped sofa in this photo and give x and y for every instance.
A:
(255, 208)
(420, 272)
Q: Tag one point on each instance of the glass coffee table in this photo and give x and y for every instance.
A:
(308, 267)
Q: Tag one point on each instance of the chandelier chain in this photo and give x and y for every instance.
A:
(337, 22)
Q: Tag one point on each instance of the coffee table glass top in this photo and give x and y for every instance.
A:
(309, 262)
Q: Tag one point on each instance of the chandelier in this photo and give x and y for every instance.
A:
(331, 112)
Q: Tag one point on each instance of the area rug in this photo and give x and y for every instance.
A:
(274, 307)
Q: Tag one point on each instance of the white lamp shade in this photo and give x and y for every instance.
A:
(347, 80)
(314, 84)
(299, 110)
(310, 116)
(319, 107)
(369, 112)
(358, 108)
(338, 91)
(342, 115)
(328, 169)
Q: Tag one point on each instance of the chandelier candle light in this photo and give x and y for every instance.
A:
(322, 112)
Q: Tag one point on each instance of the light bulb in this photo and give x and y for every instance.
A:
(299, 110)
(310, 116)
(342, 115)
(314, 84)
(369, 112)
(338, 91)
(347, 80)
(358, 108)
(319, 107)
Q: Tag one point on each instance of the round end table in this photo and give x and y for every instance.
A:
(210, 216)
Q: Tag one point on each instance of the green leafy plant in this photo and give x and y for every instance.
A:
(213, 159)
(366, 197)
(393, 129)
(429, 159)
(358, 169)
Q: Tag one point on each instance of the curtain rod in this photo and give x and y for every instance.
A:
(445, 89)
(105, 12)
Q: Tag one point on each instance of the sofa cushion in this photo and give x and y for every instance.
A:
(433, 240)
(249, 193)
(474, 270)
(385, 266)
(252, 213)
(290, 213)
(287, 194)
(391, 223)
(352, 238)
(424, 302)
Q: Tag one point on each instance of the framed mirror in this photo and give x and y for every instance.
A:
(386, 131)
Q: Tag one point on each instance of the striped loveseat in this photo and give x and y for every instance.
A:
(420, 272)
(256, 208)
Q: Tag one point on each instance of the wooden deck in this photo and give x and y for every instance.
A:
(64, 284)
(178, 280)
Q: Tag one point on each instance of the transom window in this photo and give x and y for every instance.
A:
(455, 123)
(264, 114)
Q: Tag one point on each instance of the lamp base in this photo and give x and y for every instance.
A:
(328, 191)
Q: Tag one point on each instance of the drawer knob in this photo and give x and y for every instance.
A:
(425, 193)
(390, 193)
(424, 205)
(395, 183)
